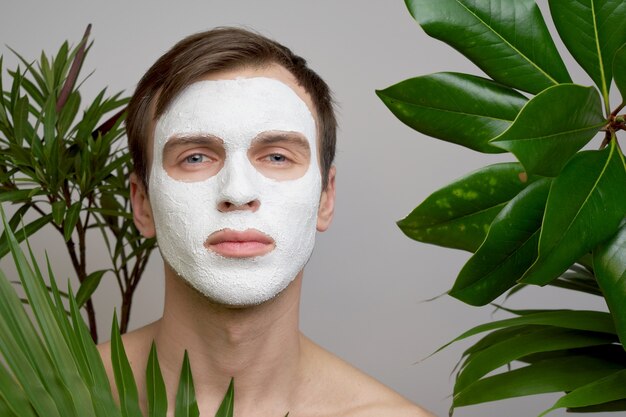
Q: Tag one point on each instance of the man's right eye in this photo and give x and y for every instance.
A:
(196, 158)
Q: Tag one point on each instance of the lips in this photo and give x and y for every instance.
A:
(235, 244)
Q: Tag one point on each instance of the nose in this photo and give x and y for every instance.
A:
(237, 191)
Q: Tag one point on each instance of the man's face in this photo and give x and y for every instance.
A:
(235, 184)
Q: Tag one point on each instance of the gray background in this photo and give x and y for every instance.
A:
(366, 283)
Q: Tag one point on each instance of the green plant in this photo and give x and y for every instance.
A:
(50, 366)
(69, 168)
(556, 217)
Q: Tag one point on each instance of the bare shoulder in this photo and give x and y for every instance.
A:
(351, 393)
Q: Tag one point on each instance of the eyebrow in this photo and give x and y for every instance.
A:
(203, 139)
(268, 138)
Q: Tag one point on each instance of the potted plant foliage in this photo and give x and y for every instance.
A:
(555, 217)
(69, 167)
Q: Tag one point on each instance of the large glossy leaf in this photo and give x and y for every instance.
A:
(459, 108)
(186, 405)
(508, 250)
(619, 70)
(559, 374)
(544, 339)
(508, 40)
(552, 127)
(585, 207)
(604, 390)
(609, 264)
(592, 30)
(593, 321)
(458, 215)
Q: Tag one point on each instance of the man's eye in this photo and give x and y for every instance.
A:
(196, 158)
(277, 158)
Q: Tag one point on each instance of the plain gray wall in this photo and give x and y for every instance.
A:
(365, 284)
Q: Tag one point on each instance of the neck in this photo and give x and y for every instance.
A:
(260, 346)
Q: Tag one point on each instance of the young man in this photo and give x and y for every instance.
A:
(233, 139)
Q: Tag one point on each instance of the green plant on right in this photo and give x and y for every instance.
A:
(556, 217)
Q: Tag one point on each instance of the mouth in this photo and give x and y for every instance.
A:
(234, 244)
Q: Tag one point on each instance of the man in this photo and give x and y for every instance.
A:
(233, 139)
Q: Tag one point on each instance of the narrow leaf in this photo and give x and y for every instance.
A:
(508, 250)
(228, 403)
(509, 40)
(552, 127)
(71, 218)
(58, 211)
(609, 264)
(458, 215)
(24, 232)
(124, 379)
(585, 207)
(88, 286)
(74, 70)
(458, 108)
(157, 395)
(186, 405)
(592, 30)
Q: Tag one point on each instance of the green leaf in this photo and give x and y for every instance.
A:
(457, 108)
(102, 396)
(71, 218)
(458, 215)
(552, 127)
(88, 286)
(604, 390)
(28, 230)
(509, 40)
(545, 339)
(157, 395)
(186, 405)
(609, 264)
(13, 397)
(559, 374)
(20, 120)
(227, 406)
(124, 379)
(508, 250)
(58, 211)
(619, 71)
(593, 321)
(592, 30)
(585, 207)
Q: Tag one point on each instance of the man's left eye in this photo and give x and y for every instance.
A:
(276, 157)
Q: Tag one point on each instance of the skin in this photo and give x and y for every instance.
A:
(276, 368)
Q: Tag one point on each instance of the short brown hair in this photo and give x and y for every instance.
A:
(212, 51)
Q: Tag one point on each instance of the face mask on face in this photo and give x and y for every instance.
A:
(198, 222)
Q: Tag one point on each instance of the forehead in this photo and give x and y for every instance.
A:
(272, 71)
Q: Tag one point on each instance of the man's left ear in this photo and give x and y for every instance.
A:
(327, 203)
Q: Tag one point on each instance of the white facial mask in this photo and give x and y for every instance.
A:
(186, 213)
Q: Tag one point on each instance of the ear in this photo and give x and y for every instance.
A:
(142, 211)
(327, 203)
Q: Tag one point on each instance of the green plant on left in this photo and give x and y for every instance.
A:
(49, 364)
(70, 168)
